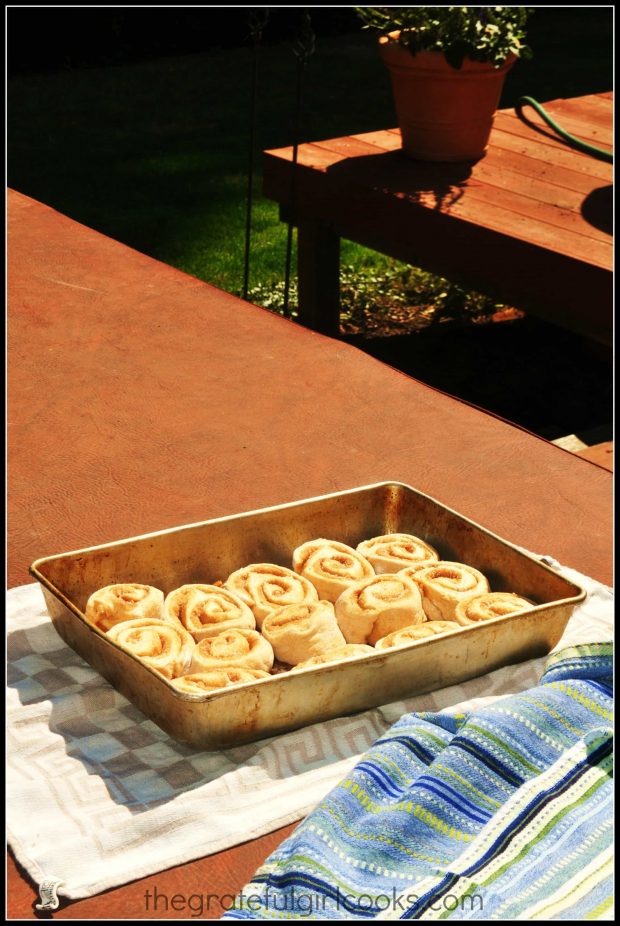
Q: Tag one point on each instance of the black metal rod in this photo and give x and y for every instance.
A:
(257, 22)
(250, 184)
(293, 187)
(303, 48)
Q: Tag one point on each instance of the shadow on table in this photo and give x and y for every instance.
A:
(140, 765)
(597, 208)
(543, 130)
(438, 186)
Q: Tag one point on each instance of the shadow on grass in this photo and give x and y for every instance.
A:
(155, 154)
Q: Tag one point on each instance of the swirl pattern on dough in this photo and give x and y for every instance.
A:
(265, 587)
(301, 631)
(393, 552)
(162, 645)
(123, 602)
(234, 647)
(207, 610)
(444, 585)
(331, 566)
(216, 679)
(338, 654)
(493, 604)
(419, 632)
(378, 606)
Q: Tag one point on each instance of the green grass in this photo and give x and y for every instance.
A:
(154, 154)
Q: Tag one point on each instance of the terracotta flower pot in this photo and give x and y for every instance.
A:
(444, 114)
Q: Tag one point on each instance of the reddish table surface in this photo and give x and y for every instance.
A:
(530, 223)
(603, 454)
(141, 398)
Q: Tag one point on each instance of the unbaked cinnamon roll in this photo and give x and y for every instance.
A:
(493, 604)
(331, 566)
(393, 552)
(123, 602)
(215, 679)
(235, 647)
(301, 631)
(207, 610)
(411, 634)
(444, 585)
(378, 606)
(265, 587)
(162, 645)
(339, 654)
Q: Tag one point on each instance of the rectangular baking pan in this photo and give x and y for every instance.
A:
(211, 550)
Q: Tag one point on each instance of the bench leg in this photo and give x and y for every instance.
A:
(318, 274)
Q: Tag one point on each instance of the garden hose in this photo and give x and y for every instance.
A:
(601, 153)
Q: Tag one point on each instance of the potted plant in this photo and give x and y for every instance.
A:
(447, 66)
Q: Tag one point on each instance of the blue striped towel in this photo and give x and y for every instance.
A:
(504, 813)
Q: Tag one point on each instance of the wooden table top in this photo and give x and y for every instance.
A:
(141, 398)
(530, 222)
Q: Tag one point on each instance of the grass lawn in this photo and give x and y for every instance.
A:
(155, 154)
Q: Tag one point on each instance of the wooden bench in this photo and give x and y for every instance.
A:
(529, 224)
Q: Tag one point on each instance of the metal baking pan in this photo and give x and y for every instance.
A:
(211, 550)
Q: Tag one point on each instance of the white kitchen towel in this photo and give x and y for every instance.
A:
(98, 795)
